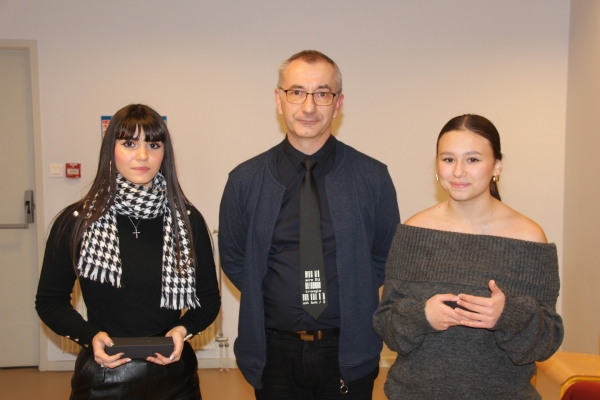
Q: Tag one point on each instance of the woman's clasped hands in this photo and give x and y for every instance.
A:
(471, 311)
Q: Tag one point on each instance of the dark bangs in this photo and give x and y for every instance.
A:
(153, 126)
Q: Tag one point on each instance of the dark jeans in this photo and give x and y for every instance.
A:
(305, 370)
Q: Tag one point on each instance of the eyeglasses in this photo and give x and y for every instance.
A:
(297, 96)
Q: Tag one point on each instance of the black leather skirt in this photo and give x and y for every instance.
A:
(138, 379)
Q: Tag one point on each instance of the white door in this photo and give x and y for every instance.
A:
(18, 247)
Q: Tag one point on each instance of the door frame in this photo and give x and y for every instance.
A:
(31, 47)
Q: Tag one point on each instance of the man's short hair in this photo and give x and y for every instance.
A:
(311, 57)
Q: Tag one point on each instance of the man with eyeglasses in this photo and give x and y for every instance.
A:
(304, 233)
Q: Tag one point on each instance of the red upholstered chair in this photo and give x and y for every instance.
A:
(582, 390)
(568, 369)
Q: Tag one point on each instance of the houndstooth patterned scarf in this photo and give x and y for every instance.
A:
(100, 254)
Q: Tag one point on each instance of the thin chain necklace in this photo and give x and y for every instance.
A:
(135, 232)
(486, 222)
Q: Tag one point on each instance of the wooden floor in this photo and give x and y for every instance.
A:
(29, 383)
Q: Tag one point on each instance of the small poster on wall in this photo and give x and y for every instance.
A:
(105, 120)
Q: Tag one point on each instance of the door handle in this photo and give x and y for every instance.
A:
(29, 208)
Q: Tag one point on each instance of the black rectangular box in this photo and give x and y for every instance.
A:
(141, 347)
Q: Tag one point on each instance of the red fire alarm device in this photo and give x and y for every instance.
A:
(73, 171)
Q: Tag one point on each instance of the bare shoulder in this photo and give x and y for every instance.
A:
(517, 226)
(431, 218)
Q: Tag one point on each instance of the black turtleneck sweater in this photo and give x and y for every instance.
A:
(134, 308)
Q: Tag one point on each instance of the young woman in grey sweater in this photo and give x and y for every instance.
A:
(471, 285)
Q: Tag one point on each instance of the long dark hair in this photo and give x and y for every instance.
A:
(126, 124)
(482, 127)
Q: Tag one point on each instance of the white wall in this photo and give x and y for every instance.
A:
(210, 67)
(582, 214)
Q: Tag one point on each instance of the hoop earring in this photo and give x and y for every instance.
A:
(437, 178)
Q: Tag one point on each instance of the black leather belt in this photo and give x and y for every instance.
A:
(310, 335)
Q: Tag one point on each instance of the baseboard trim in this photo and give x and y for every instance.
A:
(203, 363)
(216, 363)
(386, 362)
(57, 366)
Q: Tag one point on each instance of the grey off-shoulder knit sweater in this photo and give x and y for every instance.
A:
(463, 362)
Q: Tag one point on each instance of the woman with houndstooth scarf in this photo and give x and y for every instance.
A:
(143, 257)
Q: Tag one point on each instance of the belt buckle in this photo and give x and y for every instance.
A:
(315, 335)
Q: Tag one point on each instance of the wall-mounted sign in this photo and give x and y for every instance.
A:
(73, 170)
